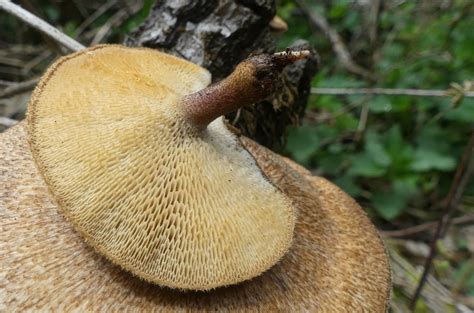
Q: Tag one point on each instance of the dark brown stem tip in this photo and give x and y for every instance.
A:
(288, 56)
(295, 55)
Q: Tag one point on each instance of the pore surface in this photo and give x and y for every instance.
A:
(180, 207)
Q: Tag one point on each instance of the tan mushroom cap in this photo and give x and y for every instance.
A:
(177, 206)
(337, 262)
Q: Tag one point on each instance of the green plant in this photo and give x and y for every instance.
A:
(400, 160)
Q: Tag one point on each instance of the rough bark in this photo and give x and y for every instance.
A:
(219, 34)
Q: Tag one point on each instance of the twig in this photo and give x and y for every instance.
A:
(437, 298)
(22, 49)
(364, 114)
(129, 8)
(19, 88)
(6, 83)
(338, 45)
(11, 61)
(40, 25)
(10, 70)
(115, 20)
(32, 8)
(386, 91)
(466, 219)
(460, 181)
(97, 13)
(237, 116)
(80, 8)
(35, 61)
(374, 13)
(7, 122)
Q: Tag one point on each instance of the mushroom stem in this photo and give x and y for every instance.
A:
(253, 80)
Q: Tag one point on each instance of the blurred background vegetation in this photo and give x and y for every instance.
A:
(396, 154)
(399, 159)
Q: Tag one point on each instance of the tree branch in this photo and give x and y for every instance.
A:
(387, 91)
(7, 122)
(116, 19)
(40, 25)
(465, 219)
(19, 88)
(94, 16)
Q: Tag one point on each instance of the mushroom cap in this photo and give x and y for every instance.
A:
(177, 206)
(337, 262)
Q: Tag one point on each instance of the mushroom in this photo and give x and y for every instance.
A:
(337, 261)
(131, 146)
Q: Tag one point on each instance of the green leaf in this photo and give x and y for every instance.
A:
(348, 184)
(302, 143)
(363, 165)
(433, 151)
(339, 9)
(399, 150)
(376, 150)
(421, 306)
(392, 202)
(336, 148)
(330, 163)
(331, 103)
(389, 205)
(70, 28)
(463, 113)
(406, 187)
(285, 10)
(433, 137)
(426, 160)
(464, 276)
(351, 20)
(346, 122)
(395, 139)
(393, 51)
(401, 104)
(52, 13)
(380, 104)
